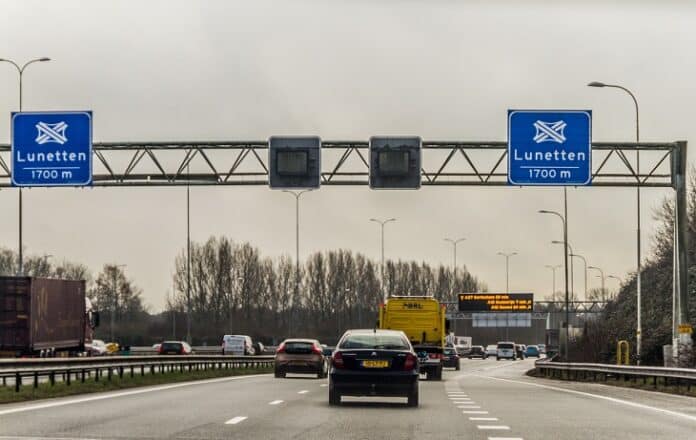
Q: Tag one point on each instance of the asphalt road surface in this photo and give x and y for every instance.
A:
(485, 400)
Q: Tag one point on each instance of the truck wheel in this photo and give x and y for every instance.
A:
(413, 396)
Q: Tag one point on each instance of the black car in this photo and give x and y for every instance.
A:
(478, 351)
(374, 363)
(450, 358)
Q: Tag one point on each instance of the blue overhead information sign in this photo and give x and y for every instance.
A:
(52, 148)
(550, 147)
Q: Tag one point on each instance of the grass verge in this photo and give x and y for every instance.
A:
(45, 390)
(647, 384)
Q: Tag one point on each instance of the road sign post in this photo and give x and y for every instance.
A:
(52, 148)
(549, 147)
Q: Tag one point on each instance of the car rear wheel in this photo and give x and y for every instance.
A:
(457, 367)
(413, 396)
(334, 398)
(279, 373)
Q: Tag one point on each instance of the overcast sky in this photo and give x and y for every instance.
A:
(444, 70)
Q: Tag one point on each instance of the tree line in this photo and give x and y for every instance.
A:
(618, 320)
(233, 289)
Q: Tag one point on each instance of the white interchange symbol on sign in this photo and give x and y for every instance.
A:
(549, 132)
(51, 133)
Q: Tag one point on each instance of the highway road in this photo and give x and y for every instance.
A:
(485, 400)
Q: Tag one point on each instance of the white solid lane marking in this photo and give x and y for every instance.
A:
(303, 392)
(121, 394)
(499, 427)
(474, 412)
(275, 402)
(235, 420)
(597, 396)
(484, 419)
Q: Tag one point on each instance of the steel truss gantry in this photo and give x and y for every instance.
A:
(445, 163)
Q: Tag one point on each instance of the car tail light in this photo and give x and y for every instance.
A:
(159, 349)
(435, 355)
(337, 360)
(281, 348)
(410, 362)
(181, 350)
(317, 350)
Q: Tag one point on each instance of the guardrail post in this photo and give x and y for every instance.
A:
(68, 377)
(18, 381)
(36, 379)
(131, 371)
(52, 377)
(96, 374)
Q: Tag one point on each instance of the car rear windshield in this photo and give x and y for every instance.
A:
(298, 347)
(509, 346)
(375, 341)
(169, 346)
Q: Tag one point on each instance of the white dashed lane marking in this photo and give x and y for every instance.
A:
(323, 385)
(235, 420)
(498, 427)
(483, 419)
(474, 412)
(505, 438)
(469, 407)
(275, 402)
(303, 392)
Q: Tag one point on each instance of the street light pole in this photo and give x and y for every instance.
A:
(564, 346)
(507, 286)
(382, 223)
(569, 250)
(616, 278)
(188, 256)
(601, 275)
(585, 263)
(553, 269)
(297, 195)
(454, 267)
(114, 300)
(639, 328)
(20, 71)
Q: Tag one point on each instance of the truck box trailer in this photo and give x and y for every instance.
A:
(42, 315)
(422, 319)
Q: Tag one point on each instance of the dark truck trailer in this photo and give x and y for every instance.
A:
(41, 314)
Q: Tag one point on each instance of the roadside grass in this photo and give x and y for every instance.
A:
(647, 384)
(60, 389)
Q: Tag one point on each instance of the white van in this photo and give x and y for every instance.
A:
(240, 345)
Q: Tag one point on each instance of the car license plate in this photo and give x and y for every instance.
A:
(375, 364)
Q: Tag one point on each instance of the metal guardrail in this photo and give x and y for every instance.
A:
(584, 371)
(77, 369)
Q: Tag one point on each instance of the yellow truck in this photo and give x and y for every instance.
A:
(422, 318)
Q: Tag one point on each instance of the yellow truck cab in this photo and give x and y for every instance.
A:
(422, 318)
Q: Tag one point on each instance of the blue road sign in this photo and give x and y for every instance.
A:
(549, 147)
(52, 148)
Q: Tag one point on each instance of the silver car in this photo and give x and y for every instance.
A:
(506, 350)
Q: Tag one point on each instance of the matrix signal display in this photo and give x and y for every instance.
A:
(496, 302)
